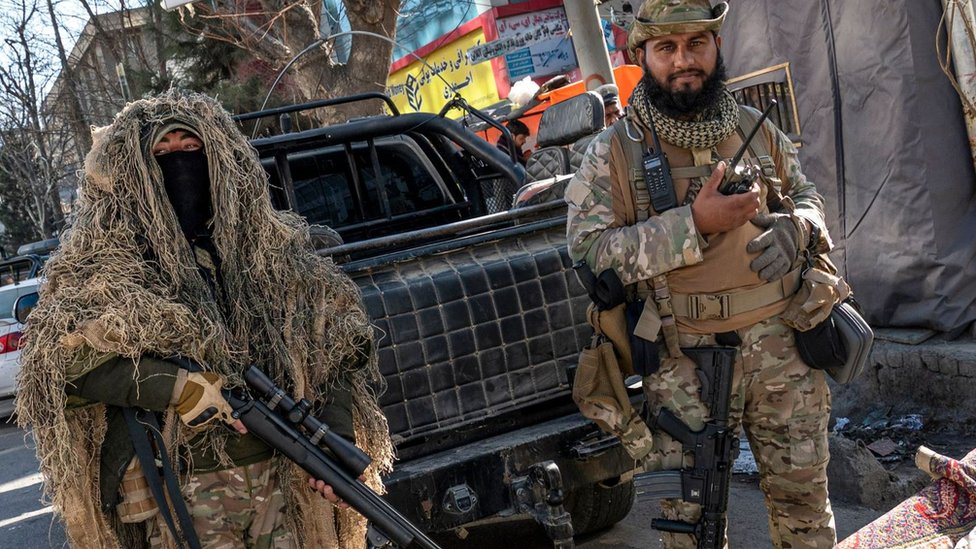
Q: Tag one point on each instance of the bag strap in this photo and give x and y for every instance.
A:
(625, 206)
(142, 423)
(634, 205)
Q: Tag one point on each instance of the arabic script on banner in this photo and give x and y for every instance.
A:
(552, 55)
(428, 87)
(519, 40)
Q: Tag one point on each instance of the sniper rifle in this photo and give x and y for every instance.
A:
(274, 417)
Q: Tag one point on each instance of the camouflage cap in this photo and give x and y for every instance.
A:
(660, 17)
(172, 126)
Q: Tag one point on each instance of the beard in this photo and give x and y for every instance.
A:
(686, 103)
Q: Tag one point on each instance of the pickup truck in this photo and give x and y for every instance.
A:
(479, 314)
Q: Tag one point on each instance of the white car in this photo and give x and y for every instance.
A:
(18, 279)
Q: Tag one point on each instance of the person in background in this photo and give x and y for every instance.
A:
(520, 132)
(612, 110)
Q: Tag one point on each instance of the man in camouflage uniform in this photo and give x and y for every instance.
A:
(729, 263)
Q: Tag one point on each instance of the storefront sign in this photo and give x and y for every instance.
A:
(520, 40)
(428, 87)
(545, 57)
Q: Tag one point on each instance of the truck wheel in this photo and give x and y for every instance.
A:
(599, 505)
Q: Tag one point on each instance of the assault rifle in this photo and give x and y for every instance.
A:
(274, 417)
(715, 448)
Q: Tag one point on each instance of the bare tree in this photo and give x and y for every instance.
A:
(81, 131)
(119, 39)
(276, 31)
(34, 154)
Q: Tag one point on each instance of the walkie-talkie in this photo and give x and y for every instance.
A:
(744, 183)
(657, 176)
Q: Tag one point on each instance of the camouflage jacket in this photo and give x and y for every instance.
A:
(667, 241)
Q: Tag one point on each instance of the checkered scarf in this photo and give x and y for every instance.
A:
(709, 128)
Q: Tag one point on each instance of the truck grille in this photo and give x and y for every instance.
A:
(475, 332)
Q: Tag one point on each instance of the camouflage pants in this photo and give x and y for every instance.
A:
(784, 407)
(239, 507)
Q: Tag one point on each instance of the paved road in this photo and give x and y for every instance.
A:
(26, 521)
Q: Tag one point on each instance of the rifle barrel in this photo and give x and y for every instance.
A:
(286, 439)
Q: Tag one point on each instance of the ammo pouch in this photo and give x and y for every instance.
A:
(600, 395)
(598, 386)
(645, 356)
(137, 503)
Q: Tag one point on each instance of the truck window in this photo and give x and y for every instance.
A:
(325, 188)
(409, 186)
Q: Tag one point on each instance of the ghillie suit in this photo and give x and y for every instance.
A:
(125, 281)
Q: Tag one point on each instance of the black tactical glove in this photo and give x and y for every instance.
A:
(778, 244)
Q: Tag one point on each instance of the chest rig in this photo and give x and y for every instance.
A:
(632, 204)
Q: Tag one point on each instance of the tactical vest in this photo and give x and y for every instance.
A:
(721, 293)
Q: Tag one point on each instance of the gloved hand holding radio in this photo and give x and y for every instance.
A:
(198, 401)
(714, 212)
(777, 245)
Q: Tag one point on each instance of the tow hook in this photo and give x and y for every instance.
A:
(540, 494)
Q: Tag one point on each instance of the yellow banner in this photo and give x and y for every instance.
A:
(422, 88)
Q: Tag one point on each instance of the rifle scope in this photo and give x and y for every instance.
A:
(354, 460)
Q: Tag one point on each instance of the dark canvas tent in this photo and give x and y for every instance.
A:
(883, 137)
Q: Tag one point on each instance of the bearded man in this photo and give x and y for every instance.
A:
(176, 257)
(712, 267)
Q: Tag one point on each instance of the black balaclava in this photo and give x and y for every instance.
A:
(187, 181)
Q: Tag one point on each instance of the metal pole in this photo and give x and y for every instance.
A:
(588, 41)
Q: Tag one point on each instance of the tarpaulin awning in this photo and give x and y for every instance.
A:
(884, 139)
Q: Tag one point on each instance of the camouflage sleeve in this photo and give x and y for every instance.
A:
(809, 203)
(638, 252)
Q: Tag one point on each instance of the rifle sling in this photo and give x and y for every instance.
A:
(142, 423)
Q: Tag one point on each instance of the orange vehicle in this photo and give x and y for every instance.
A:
(626, 77)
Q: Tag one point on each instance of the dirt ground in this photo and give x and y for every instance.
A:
(747, 525)
(862, 489)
